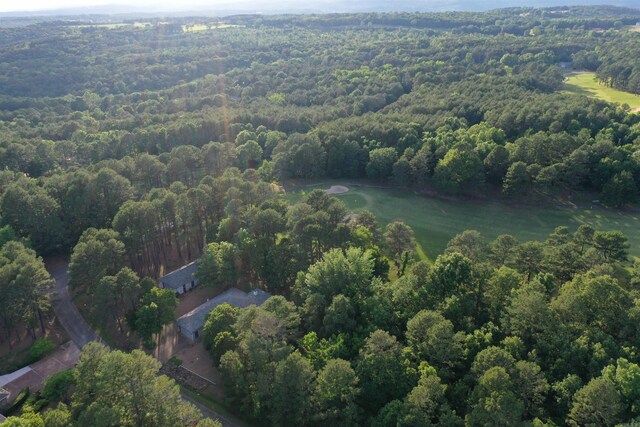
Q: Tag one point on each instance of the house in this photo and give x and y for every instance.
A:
(190, 325)
(2, 419)
(180, 280)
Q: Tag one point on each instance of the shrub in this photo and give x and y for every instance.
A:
(17, 404)
(57, 386)
(175, 361)
(40, 348)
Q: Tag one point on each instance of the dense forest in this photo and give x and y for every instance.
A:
(134, 148)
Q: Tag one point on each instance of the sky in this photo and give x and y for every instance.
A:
(321, 5)
(30, 5)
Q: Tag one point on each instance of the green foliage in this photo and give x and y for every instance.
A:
(115, 388)
(40, 348)
(381, 161)
(24, 295)
(175, 361)
(17, 403)
(459, 170)
(136, 170)
(57, 386)
(597, 403)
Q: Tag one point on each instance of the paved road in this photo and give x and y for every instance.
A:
(66, 311)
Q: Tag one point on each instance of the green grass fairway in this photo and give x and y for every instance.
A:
(585, 84)
(436, 221)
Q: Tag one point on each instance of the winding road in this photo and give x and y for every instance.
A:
(81, 332)
(66, 311)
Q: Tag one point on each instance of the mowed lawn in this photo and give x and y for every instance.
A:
(585, 84)
(436, 221)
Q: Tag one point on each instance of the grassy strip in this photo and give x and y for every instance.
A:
(212, 404)
(435, 221)
(585, 84)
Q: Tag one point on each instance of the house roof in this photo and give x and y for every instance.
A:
(194, 320)
(179, 277)
(2, 418)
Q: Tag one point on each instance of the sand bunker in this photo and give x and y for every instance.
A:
(337, 189)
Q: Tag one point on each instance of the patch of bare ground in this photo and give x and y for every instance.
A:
(337, 189)
(197, 360)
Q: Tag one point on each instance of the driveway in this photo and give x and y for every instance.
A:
(81, 333)
(66, 311)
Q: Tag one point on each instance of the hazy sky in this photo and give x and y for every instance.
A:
(27, 5)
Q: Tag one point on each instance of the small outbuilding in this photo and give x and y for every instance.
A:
(180, 280)
(190, 325)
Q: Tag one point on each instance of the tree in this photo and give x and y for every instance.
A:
(217, 333)
(27, 419)
(58, 417)
(597, 302)
(217, 266)
(459, 170)
(400, 241)
(501, 249)
(291, 397)
(249, 155)
(517, 179)
(34, 214)
(98, 253)
(166, 301)
(426, 403)
(498, 290)
(335, 394)
(127, 389)
(340, 316)
(24, 289)
(494, 401)
(496, 164)
(531, 387)
(469, 243)
(528, 258)
(433, 340)
(596, 404)
(620, 190)
(57, 386)
(401, 174)
(610, 245)
(338, 272)
(382, 374)
(626, 377)
(147, 323)
(381, 161)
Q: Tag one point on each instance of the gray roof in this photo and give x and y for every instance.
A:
(179, 277)
(194, 320)
(2, 418)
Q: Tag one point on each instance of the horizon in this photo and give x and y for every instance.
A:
(31, 7)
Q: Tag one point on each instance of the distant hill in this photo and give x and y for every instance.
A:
(228, 7)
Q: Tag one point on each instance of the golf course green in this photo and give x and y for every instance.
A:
(435, 221)
(585, 84)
